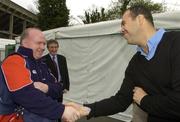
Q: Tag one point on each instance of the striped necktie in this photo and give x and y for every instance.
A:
(55, 65)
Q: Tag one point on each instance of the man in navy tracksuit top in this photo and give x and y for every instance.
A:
(31, 84)
(152, 78)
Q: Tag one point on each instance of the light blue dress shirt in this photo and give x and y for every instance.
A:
(152, 44)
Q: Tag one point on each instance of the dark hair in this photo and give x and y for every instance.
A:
(138, 9)
(52, 41)
(25, 33)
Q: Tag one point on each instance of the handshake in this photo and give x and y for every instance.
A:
(74, 111)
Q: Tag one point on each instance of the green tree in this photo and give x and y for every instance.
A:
(52, 14)
(116, 9)
(94, 15)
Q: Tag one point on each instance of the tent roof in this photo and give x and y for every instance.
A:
(95, 29)
(167, 16)
(168, 20)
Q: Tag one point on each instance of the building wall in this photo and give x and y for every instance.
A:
(14, 19)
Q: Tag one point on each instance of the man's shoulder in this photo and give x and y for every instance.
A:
(172, 38)
(45, 58)
(61, 56)
(15, 57)
(172, 34)
(45, 55)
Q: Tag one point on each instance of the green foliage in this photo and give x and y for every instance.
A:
(94, 15)
(52, 14)
(119, 7)
(116, 9)
(154, 7)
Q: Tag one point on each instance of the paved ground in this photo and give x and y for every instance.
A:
(99, 119)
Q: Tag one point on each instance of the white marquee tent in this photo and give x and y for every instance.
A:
(97, 57)
(3, 43)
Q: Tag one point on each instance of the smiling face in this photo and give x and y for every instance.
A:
(35, 41)
(130, 27)
(53, 48)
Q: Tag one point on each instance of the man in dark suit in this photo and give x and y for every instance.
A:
(57, 65)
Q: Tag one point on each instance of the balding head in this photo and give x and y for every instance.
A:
(26, 33)
(34, 39)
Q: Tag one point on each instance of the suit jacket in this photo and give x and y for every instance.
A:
(62, 68)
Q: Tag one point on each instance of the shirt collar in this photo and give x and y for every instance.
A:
(52, 56)
(152, 44)
(27, 52)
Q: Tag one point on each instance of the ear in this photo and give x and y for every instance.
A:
(140, 19)
(24, 43)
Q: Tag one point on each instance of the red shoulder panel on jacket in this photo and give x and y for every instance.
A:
(16, 74)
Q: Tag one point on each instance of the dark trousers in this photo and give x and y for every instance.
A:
(60, 100)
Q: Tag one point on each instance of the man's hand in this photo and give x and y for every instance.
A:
(70, 114)
(65, 91)
(84, 111)
(139, 93)
(41, 86)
